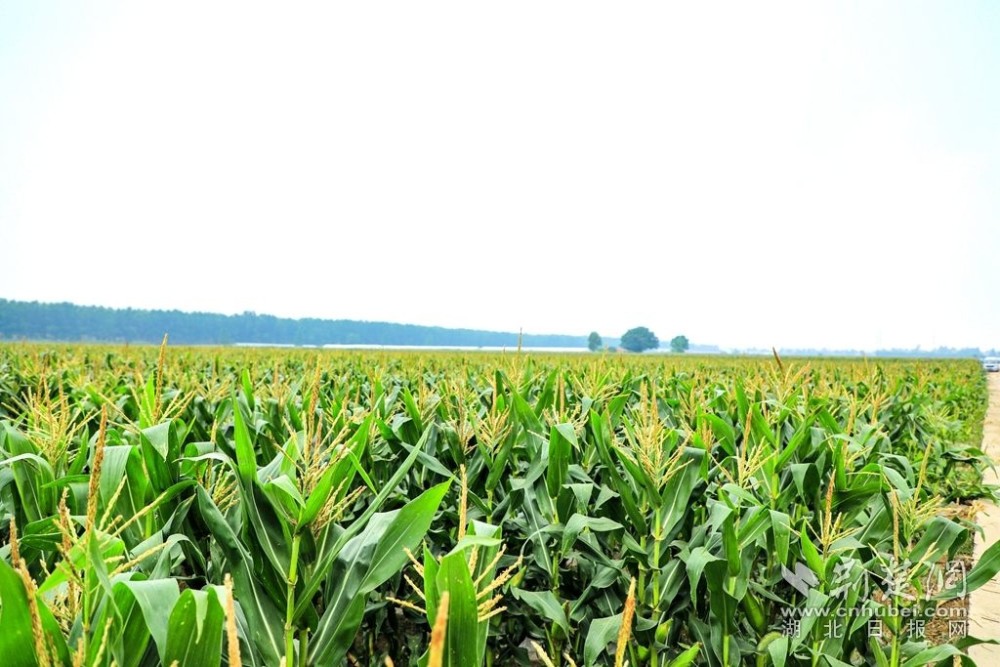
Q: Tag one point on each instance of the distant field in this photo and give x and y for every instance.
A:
(581, 509)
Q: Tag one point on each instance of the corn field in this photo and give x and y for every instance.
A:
(305, 507)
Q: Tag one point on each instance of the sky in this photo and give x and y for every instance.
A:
(747, 174)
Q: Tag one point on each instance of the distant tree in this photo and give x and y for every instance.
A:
(639, 339)
(594, 342)
(679, 344)
(67, 322)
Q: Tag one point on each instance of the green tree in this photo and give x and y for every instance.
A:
(640, 339)
(594, 342)
(679, 344)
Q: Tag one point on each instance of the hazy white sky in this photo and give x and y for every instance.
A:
(748, 174)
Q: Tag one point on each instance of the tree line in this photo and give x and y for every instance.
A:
(71, 323)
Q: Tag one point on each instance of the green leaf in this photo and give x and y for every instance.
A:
(261, 612)
(366, 562)
(806, 480)
(431, 567)
(405, 533)
(800, 436)
(932, 654)
(811, 555)
(246, 457)
(539, 528)
(686, 658)
(546, 604)
(156, 600)
(876, 648)
(79, 556)
(781, 529)
(17, 644)
(160, 448)
(601, 429)
(128, 636)
(32, 475)
(562, 442)
(601, 633)
(579, 522)
(942, 535)
(731, 545)
(776, 645)
(678, 490)
(981, 573)
(329, 556)
(725, 434)
(474, 541)
(194, 632)
(284, 496)
(16, 639)
(270, 526)
(247, 386)
(463, 616)
(697, 561)
(752, 525)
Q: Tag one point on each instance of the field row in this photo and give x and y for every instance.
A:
(327, 508)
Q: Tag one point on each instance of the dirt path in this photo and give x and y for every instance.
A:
(984, 604)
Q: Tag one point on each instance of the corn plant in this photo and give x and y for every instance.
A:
(305, 507)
